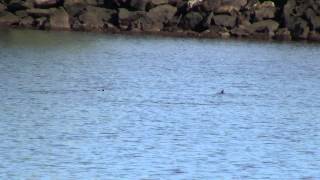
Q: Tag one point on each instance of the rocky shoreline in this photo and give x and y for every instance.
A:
(292, 20)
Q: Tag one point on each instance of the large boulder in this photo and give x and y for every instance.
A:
(95, 18)
(240, 31)
(21, 14)
(161, 15)
(47, 3)
(75, 7)
(35, 12)
(131, 19)
(211, 5)
(294, 9)
(313, 19)
(60, 20)
(299, 28)
(289, 10)
(265, 28)
(297, 13)
(229, 6)
(225, 20)
(315, 23)
(265, 10)
(8, 19)
(192, 21)
(206, 23)
(29, 4)
(16, 5)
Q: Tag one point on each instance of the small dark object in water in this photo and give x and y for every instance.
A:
(222, 91)
(101, 90)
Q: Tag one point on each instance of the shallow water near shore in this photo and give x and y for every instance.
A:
(160, 115)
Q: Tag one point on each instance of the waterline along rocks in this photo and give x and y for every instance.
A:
(292, 20)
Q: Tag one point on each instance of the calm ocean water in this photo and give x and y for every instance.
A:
(159, 116)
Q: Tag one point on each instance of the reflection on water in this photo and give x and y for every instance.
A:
(160, 115)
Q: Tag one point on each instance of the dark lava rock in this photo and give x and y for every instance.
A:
(313, 19)
(206, 23)
(299, 28)
(192, 20)
(16, 5)
(139, 5)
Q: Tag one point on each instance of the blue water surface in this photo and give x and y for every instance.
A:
(96, 106)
